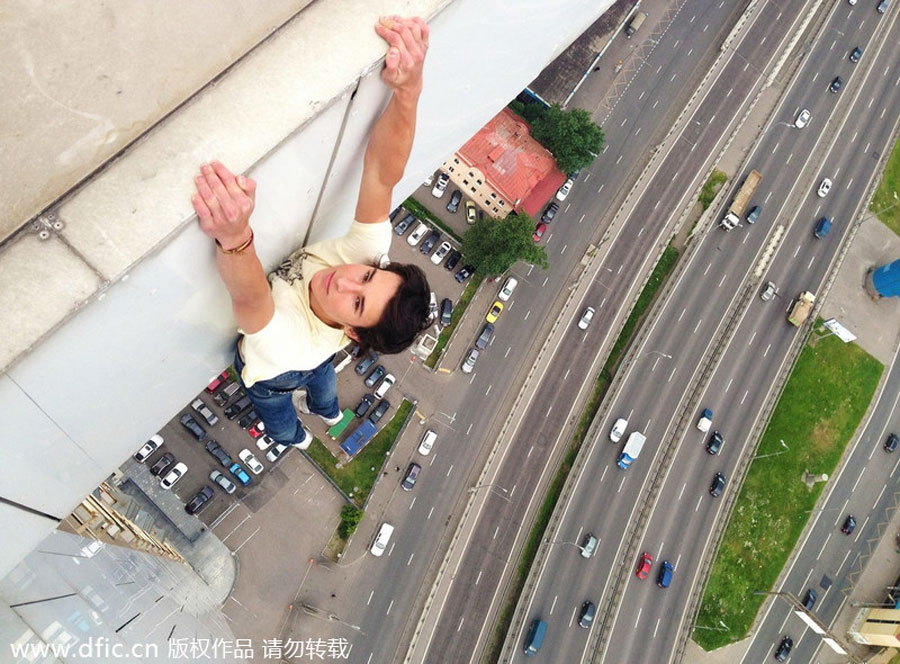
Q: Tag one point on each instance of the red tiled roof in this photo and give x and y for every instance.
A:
(511, 160)
(544, 189)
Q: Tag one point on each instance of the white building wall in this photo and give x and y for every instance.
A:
(134, 320)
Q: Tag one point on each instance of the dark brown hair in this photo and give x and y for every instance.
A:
(404, 316)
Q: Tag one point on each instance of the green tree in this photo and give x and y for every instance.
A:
(573, 138)
(350, 518)
(493, 245)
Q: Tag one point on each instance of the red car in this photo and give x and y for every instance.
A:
(257, 429)
(643, 568)
(539, 232)
(218, 380)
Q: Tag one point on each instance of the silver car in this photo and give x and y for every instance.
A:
(469, 363)
(768, 292)
(586, 318)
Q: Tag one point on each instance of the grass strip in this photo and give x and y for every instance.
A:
(885, 204)
(662, 269)
(422, 212)
(460, 308)
(357, 477)
(716, 179)
(823, 402)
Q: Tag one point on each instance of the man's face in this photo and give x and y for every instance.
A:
(351, 296)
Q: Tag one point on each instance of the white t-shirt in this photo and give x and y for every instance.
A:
(295, 339)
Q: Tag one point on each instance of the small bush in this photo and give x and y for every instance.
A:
(711, 188)
(350, 518)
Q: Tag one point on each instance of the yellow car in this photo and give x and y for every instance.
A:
(494, 313)
(470, 212)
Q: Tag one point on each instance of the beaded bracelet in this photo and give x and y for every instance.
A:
(238, 249)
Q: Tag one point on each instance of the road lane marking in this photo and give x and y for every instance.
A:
(744, 397)
(810, 262)
(657, 627)
(766, 352)
(548, 411)
(698, 503)
(470, 428)
(697, 326)
(797, 251)
(527, 314)
(553, 605)
(847, 555)
(530, 450)
(370, 598)
(579, 221)
(681, 493)
(567, 374)
(506, 354)
(671, 374)
(722, 280)
(860, 531)
(682, 313)
(707, 269)
(429, 513)
(413, 502)
(488, 391)
(861, 472)
(653, 368)
(730, 381)
(824, 544)
(390, 606)
(496, 530)
(449, 470)
(604, 473)
(478, 578)
(565, 246)
(411, 556)
(638, 619)
(752, 337)
(621, 484)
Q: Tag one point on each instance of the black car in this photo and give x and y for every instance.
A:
(162, 463)
(446, 311)
(784, 649)
(466, 272)
(363, 365)
(363, 406)
(228, 391)
(855, 54)
(379, 411)
(219, 453)
(453, 259)
(412, 474)
(237, 407)
(429, 242)
(586, 615)
(836, 84)
(394, 213)
(715, 443)
(453, 205)
(195, 429)
(248, 420)
(486, 332)
(891, 443)
(753, 215)
(717, 486)
(550, 212)
(809, 599)
(404, 224)
(849, 525)
(376, 375)
(198, 501)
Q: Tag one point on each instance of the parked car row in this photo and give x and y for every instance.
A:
(430, 241)
(378, 376)
(443, 179)
(487, 330)
(227, 394)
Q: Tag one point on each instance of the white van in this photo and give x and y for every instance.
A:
(382, 539)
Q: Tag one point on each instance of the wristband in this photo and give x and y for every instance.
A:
(238, 249)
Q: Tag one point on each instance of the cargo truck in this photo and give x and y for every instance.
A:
(632, 449)
(802, 306)
(739, 204)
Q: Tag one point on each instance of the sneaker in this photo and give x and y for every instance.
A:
(307, 439)
(303, 408)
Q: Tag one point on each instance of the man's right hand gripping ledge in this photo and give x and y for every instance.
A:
(223, 204)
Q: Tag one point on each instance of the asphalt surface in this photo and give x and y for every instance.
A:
(383, 599)
(643, 628)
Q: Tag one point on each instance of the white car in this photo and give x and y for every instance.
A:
(564, 190)
(264, 442)
(442, 251)
(441, 185)
(173, 476)
(416, 236)
(251, 461)
(618, 430)
(386, 384)
(427, 442)
(381, 539)
(468, 364)
(149, 448)
(428, 180)
(275, 453)
(802, 119)
(824, 188)
(508, 287)
(586, 318)
(224, 483)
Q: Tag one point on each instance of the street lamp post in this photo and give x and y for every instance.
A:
(660, 353)
(577, 546)
(473, 489)
(770, 454)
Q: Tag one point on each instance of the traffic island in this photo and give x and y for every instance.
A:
(817, 415)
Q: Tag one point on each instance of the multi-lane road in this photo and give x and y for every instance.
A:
(386, 595)
(643, 622)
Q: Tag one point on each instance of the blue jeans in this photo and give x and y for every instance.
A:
(272, 398)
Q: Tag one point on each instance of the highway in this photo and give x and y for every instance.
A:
(385, 595)
(838, 143)
(607, 499)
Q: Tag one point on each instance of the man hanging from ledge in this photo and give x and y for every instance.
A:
(329, 292)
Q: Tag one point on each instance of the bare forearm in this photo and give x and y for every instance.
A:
(245, 280)
(392, 138)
